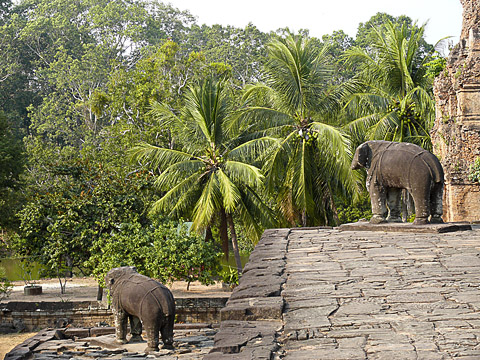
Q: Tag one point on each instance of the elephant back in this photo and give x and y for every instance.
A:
(405, 155)
(137, 292)
(433, 163)
(160, 295)
(419, 154)
(154, 294)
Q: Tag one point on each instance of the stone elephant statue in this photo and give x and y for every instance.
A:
(393, 166)
(138, 298)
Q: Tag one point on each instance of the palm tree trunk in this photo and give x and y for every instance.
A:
(224, 232)
(208, 234)
(236, 251)
(334, 208)
(304, 218)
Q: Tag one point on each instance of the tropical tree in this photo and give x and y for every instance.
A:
(310, 162)
(207, 178)
(394, 99)
(12, 161)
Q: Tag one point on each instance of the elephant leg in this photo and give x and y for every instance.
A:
(377, 198)
(121, 318)
(394, 196)
(167, 332)
(152, 331)
(135, 329)
(421, 198)
(436, 204)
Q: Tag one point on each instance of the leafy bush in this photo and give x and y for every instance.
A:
(474, 171)
(164, 251)
(84, 201)
(229, 275)
(5, 285)
(348, 213)
(435, 66)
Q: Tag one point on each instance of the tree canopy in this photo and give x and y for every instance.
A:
(232, 129)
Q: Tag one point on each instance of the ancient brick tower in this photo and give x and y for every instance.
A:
(456, 133)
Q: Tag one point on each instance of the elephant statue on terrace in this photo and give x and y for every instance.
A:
(138, 298)
(393, 166)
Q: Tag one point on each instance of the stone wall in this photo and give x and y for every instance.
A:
(19, 316)
(456, 133)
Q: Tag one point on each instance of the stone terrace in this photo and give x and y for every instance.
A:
(331, 294)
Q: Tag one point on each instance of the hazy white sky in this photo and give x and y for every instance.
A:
(324, 16)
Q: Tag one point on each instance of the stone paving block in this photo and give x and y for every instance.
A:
(307, 291)
(301, 303)
(386, 252)
(392, 354)
(77, 332)
(461, 261)
(276, 265)
(311, 318)
(325, 354)
(413, 297)
(308, 267)
(250, 309)
(244, 336)
(265, 286)
(360, 307)
(103, 330)
(431, 355)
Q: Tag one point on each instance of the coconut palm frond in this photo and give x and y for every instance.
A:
(158, 157)
(243, 173)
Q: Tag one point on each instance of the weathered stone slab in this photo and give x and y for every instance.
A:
(325, 354)
(250, 309)
(406, 227)
(266, 286)
(237, 337)
(308, 318)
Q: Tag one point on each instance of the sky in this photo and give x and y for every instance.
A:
(325, 16)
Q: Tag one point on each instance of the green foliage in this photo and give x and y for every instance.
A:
(5, 285)
(243, 50)
(87, 80)
(309, 162)
(349, 213)
(82, 202)
(474, 170)
(12, 160)
(163, 250)
(207, 177)
(392, 98)
(436, 66)
(229, 275)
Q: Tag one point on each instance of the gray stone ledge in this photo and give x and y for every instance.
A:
(406, 227)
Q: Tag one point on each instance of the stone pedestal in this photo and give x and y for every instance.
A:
(32, 290)
(456, 133)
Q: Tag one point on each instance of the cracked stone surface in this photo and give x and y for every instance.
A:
(331, 294)
(379, 295)
(357, 295)
(189, 344)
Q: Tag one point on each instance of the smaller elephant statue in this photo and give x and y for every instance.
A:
(393, 166)
(138, 298)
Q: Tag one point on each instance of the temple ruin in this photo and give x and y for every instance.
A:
(456, 133)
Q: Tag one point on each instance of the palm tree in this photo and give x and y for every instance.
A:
(394, 99)
(310, 162)
(209, 178)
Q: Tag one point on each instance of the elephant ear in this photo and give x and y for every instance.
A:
(363, 155)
